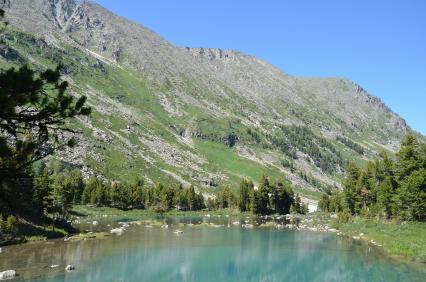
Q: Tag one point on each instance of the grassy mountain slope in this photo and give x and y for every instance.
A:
(194, 115)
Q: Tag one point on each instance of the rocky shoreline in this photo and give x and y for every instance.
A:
(310, 223)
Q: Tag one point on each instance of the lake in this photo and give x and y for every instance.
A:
(205, 252)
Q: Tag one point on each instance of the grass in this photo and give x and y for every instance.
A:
(307, 193)
(227, 160)
(406, 240)
(29, 232)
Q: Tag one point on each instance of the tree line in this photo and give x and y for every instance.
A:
(387, 187)
(352, 145)
(324, 155)
(137, 196)
(56, 189)
(269, 198)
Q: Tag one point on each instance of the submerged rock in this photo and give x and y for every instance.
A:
(8, 274)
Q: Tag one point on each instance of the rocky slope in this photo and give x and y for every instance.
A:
(195, 115)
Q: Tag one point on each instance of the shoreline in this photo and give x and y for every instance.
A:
(371, 232)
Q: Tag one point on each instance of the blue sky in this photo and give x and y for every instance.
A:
(379, 44)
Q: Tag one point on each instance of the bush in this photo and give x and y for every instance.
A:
(344, 217)
(2, 225)
(11, 224)
(8, 226)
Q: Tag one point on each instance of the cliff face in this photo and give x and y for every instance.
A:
(195, 115)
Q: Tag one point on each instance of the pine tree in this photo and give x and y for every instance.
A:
(191, 198)
(34, 114)
(181, 199)
(263, 193)
(42, 189)
(388, 188)
(244, 195)
(411, 194)
(353, 199)
(298, 204)
(324, 203)
(255, 202)
(384, 196)
(285, 198)
(168, 198)
(77, 184)
(225, 198)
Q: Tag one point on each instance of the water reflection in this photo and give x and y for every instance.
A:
(204, 253)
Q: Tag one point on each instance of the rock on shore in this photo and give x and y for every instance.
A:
(8, 274)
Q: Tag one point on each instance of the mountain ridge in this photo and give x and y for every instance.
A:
(202, 116)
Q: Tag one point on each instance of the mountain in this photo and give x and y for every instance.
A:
(197, 116)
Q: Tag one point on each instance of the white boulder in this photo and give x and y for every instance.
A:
(8, 274)
(312, 207)
(117, 231)
(124, 224)
(70, 267)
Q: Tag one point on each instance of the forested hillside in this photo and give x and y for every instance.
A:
(194, 116)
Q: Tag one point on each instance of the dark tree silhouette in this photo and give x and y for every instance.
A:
(34, 114)
(33, 117)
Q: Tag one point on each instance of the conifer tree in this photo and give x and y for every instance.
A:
(244, 195)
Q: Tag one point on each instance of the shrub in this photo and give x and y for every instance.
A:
(8, 226)
(344, 217)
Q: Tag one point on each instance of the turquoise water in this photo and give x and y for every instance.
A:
(204, 253)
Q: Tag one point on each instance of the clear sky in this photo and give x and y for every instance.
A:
(379, 44)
